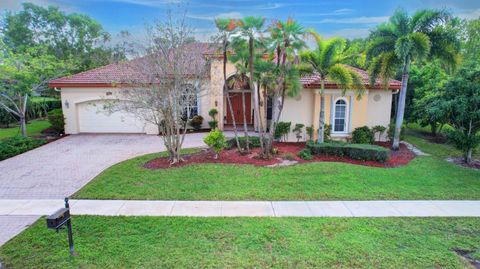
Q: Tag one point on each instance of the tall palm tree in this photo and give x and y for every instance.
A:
(226, 28)
(403, 40)
(325, 60)
(249, 28)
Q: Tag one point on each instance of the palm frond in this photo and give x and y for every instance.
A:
(333, 47)
(380, 45)
(426, 20)
(341, 76)
(420, 43)
(400, 22)
(357, 83)
(388, 68)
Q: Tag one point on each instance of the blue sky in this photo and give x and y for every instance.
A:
(345, 18)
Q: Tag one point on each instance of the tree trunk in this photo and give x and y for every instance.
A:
(468, 156)
(433, 128)
(256, 105)
(321, 129)
(23, 126)
(247, 141)
(401, 106)
(225, 93)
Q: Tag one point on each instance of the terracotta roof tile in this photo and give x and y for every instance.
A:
(115, 73)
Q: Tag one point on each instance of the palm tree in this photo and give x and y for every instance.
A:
(403, 40)
(325, 61)
(226, 28)
(250, 27)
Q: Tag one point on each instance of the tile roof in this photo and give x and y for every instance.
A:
(105, 76)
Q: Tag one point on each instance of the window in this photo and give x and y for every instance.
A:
(340, 116)
(191, 107)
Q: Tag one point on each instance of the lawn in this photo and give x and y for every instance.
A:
(418, 136)
(176, 242)
(34, 128)
(423, 178)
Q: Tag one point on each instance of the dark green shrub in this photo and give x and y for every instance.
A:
(282, 130)
(310, 131)
(363, 135)
(10, 147)
(213, 124)
(305, 154)
(391, 131)
(196, 122)
(364, 152)
(6, 118)
(298, 130)
(378, 129)
(38, 107)
(57, 120)
(254, 142)
(327, 132)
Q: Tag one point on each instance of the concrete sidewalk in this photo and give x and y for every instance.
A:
(433, 208)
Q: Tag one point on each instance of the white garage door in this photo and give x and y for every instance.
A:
(92, 118)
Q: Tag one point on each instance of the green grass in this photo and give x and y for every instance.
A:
(176, 242)
(34, 128)
(423, 178)
(419, 136)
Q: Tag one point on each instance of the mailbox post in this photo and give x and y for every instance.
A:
(60, 219)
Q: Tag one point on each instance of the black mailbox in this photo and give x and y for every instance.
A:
(57, 219)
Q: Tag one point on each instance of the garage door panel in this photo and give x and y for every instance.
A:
(93, 118)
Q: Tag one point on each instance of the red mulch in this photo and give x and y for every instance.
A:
(285, 150)
(475, 164)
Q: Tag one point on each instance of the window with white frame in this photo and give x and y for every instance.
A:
(191, 102)
(340, 116)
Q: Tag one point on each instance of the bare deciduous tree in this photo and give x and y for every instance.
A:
(161, 87)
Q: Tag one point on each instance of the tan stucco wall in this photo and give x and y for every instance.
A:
(76, 96)
(361, 112)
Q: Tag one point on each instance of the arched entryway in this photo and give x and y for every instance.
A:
(239, 90)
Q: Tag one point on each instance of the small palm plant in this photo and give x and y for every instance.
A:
(401, 41)
(325, 60)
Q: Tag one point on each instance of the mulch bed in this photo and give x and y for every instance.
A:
(475, 164)
(286, 151)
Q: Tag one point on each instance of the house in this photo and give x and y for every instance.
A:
(84, 94)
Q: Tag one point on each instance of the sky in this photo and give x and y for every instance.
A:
(346, 18)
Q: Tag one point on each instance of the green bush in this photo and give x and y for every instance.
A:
(254, 142)
(363, 135)
(196, 122)
(216, 141)
(310, 131)
(38, 107)
(12, 146)
(378, 129)
(305, 154)
(298, 130)
(213, 124)
(391, 131)
(326, 132)
(364, 152)
(57, 120)
(282, 130)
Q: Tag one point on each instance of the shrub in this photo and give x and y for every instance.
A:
(298, 130)
(363, 135)
(282, 130)
(391, 131)
(57, 120)
(12, 146)
(213, 114)
(38, 107)
(364, 152)
(310, 131)
(288, 156)
(254, 142)
(216, 141)
(378, 129)
(196, 122)
(305, 154)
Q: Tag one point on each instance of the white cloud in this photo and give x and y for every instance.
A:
(342, 11)
(15, 5)
(270, 6)
(233, 15)
(470, 14)
(147, 3)
(355, 20)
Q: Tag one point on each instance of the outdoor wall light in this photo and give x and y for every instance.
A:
(67, 104)
(216, 103)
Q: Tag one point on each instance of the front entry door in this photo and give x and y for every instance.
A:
(236, 99)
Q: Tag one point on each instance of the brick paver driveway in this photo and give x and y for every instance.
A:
(61, 168)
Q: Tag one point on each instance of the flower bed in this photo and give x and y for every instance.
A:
(285, 151)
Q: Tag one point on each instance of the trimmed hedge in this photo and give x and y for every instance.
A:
(364, 152)
(57, 120)
(12, 146)
(254, 142)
